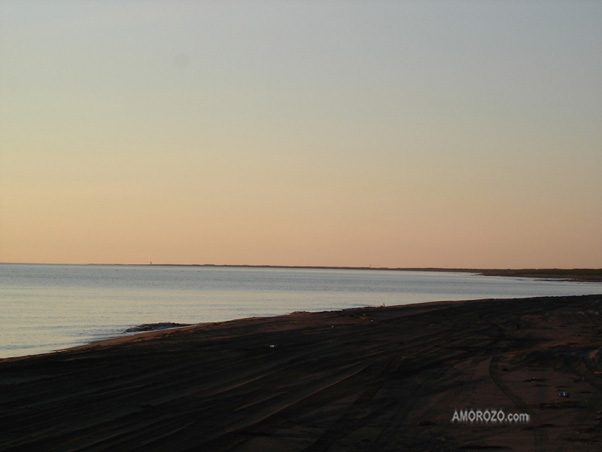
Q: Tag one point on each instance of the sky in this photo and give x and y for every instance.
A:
(337, 133)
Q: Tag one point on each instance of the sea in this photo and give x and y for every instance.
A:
(44, 308)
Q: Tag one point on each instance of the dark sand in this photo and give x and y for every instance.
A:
(380, 379)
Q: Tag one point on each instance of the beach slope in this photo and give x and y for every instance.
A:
(370, 379)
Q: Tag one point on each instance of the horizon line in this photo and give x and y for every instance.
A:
(320, 267)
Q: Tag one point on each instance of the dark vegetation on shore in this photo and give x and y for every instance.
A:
(576, 274)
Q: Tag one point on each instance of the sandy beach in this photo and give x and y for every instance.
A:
(370, 379)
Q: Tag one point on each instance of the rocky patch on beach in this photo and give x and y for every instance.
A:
(155, 327)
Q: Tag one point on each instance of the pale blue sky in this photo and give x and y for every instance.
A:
(452, 133)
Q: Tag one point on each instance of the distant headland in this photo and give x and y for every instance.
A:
(573, 274)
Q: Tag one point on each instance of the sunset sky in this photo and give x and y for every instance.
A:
(338, 133)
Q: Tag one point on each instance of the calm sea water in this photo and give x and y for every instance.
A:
(50, 307)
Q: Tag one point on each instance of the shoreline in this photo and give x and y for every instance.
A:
(567, 274)
(89, 331)
(381, 378)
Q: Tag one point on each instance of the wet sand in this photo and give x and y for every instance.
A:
(372, 379)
